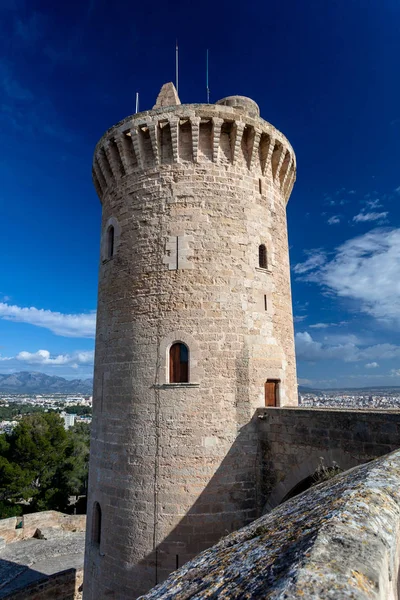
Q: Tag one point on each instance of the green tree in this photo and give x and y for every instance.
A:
(42, 464)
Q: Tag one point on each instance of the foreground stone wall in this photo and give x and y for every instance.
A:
(66, 585)
(294, 440)
(337, 540)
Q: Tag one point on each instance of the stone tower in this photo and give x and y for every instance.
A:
(194, 332)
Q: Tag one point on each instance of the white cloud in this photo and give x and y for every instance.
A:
(370, 216)
(299, 318)
(43, 357)
(326, 325)
(67, 325)
(316, 258)
(303, 381)
(372, 365)
(395, 372)
(374, 203)
(333, 220)
(310, 350)
(365, 269)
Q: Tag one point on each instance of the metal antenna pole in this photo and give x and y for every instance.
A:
(137, 102)
(208, 89)
(176, 67)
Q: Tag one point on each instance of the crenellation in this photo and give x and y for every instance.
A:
(185, 142)
(99, 174)
(277, 159)
(255, 164)
(283, 166)
(136, 146)
(104, 166)
(216, 134)
(174, 126)
(124, 147)
(153, 131)
(195, 137)
(238, 131)
(114, 160)
(286, 174)
(96, 184)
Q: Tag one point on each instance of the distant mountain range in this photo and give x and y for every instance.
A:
(32, 382)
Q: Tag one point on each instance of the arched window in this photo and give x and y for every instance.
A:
(96, 524)
(262, 257)
(110, 242)
(179, 363)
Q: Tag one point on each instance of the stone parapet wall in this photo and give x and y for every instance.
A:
(294, 440)
(21, 528)
(337, 540)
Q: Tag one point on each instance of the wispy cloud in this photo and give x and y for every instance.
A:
(364, 269)
(68, 325)
(374, 203)
(370, 216)
(372, 365)
(44, 358)
(333, 220)
(30, 30)
(310, 350)
(12, 88)
(316, 258)
(299, 318)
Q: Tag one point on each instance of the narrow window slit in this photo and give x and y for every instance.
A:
(96, 528)
(262, 257)
(110, 242)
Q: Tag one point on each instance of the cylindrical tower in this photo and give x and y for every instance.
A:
(194, 332)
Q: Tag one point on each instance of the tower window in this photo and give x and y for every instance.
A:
(260, 186)
(265, 302)
(110, 242)
(262, 257)
(179, 363)
(96, 527)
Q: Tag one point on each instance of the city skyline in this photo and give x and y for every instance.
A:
(338, 108)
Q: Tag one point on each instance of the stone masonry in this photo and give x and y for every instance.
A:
(294, 442)
(191, 192)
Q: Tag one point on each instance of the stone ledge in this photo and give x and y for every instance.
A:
(165, 386)
(340, 539)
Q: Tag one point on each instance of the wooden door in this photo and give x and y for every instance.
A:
(271, 392)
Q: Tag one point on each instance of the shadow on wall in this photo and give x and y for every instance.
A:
(18, 582)
(228, 502)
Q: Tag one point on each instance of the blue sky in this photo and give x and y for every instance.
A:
(325, 73)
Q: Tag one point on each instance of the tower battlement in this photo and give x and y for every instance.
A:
(229, 133)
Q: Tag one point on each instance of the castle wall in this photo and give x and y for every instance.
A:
(294, 440)
(192, 191)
